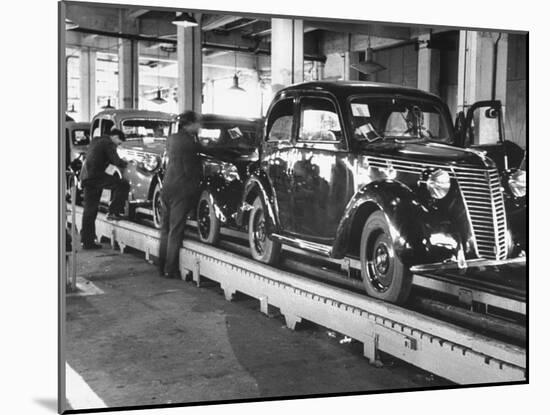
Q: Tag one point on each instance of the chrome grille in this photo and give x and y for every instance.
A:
(482, 195)
(485, 204)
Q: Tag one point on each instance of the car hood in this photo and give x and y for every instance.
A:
(500, 151)
(154, 147)
(427, 152)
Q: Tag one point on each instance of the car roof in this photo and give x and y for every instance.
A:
(123, 114)
(215, 118)
(78, 125)
(347, 88)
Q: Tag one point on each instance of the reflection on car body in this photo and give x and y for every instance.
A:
(374, 171)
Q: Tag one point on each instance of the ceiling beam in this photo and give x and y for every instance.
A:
(211, 22)
(377, 30)
(136, 14)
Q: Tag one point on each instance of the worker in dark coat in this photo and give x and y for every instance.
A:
(102, 152)
(179, 190)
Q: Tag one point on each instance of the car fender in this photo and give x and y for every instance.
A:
(258, 185)
(215, 187)
(420, 234)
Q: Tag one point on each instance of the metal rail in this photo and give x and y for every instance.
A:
(444, 349)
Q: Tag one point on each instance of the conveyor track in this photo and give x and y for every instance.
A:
(460, 355)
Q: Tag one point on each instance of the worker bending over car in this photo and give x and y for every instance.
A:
(102, 152)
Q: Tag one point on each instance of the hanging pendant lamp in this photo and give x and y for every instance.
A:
(108, 106)
(159, 99)
(368, 66)
(235, 86)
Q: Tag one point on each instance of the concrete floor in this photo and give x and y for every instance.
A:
(148, 340)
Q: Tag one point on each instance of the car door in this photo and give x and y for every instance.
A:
(483, 130)
(322, 181)
(277, 157)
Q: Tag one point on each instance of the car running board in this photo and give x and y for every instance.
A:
(324, 250)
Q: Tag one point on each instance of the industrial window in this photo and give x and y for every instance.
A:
(319, 121)
(280, 128)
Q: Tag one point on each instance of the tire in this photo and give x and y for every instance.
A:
(156, 205)
(384, 275)
(208, 224)
(262, 248)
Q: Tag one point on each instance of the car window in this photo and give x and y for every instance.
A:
(106, 126)
(95, 129)
(319, 121)
(80, 137)
(138, 129)
(230, 136)
(280, 121)
(398, 118)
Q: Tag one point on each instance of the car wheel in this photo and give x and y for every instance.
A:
(384, 275)
(157, 207)
(208, 224)
(262, 248)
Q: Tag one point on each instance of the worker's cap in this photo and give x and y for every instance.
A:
(119, 133)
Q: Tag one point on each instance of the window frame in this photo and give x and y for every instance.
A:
(291, 139)
(342, 143)
(299, 120)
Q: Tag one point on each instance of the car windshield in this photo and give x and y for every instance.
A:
(140, 129)
(376, 119)
(242, 137)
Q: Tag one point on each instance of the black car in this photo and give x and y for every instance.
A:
(230, 146)
(373, 171)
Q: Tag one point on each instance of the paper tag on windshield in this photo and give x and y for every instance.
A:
(360, 110)
(235, 133)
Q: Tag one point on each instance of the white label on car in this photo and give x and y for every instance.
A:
(360, 110)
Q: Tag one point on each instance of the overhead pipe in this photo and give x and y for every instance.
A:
(205, 45)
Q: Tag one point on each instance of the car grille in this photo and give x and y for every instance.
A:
(481, 190)
(485, 204)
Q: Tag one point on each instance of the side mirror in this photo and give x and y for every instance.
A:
(491, 113)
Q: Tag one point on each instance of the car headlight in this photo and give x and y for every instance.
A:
(518, 183)
(438, 183)
(150, 163)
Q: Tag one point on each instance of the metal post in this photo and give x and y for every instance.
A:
(73, 231)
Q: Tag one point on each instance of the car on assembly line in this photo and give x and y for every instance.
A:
(376, 172)
(230, 147)
(146, 133)
(77, 139)
(234, 139)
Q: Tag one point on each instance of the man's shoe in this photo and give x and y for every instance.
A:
(114, 216)
(91, 246)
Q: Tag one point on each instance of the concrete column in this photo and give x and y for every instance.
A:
(87, 83)
(287, 52)
(128, 83)
(428, 66)
(189, 52)
(350, 58)
(476, 72)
